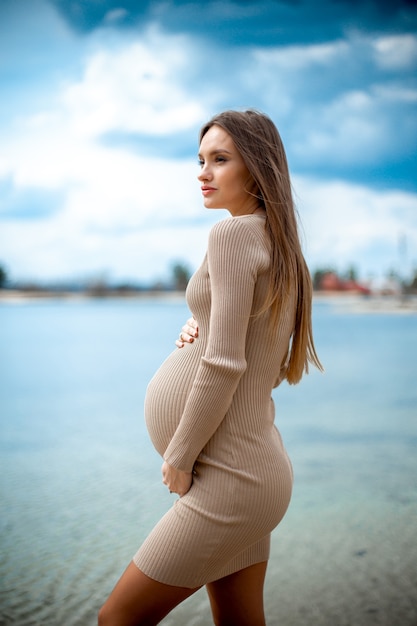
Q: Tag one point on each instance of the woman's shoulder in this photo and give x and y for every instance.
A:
(246, 232)
(242, 226)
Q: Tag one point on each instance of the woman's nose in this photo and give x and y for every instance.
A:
(204, 174)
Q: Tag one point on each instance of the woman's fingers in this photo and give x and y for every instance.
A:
(177, 481)
(193, 325)
(188, 333)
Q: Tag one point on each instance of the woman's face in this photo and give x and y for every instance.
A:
(224, 176)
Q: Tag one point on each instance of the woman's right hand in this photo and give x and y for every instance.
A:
(188, 333)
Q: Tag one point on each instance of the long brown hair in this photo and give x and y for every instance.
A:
(259, 143)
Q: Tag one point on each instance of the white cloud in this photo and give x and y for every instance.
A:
(118, 208)
(65, 247)
(396, 52)
(115, 15)
(345, 129)
(348, 224)
(294, 58)
(394, 93)
(124, 192)
(136, 88)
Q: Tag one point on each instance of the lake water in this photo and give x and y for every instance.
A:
(80, 482)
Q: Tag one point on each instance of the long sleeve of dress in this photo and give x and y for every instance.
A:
(234, 258)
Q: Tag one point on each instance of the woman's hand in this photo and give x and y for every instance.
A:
(177, 481)
(188, 333)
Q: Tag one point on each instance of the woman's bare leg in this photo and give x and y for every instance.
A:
(238, 599)
(138, 600)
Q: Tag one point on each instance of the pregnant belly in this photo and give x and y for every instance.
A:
(167, 394)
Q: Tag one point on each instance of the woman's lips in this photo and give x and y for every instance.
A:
(207, 190)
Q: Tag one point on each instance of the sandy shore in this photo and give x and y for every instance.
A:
(17, 296)
(401, 304)
(350, 303)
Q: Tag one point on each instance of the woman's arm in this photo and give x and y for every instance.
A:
(234, 258)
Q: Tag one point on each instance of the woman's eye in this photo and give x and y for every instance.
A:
(200, 162)
(220, 159)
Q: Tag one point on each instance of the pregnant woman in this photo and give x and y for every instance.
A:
(208, 408)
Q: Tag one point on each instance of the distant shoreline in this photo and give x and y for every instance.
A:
(354, 303)
(27, 295)
(347, 302)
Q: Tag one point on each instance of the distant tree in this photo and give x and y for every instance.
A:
(392, 274)
(352, 273)
(3, 277)
(180, 276)
(318, 276)
(412, 285)
(98, 286)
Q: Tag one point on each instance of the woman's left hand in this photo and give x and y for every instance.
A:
(177, 481)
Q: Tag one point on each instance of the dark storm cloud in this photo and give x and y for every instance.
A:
(265, 22)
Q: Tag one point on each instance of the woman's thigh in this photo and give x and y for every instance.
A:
(138, 600)
(237, 600)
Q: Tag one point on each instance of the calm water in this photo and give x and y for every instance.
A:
(80, 482)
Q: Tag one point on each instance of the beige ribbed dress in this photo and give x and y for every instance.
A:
(209, 409)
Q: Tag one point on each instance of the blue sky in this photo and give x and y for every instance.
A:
(102, 102)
